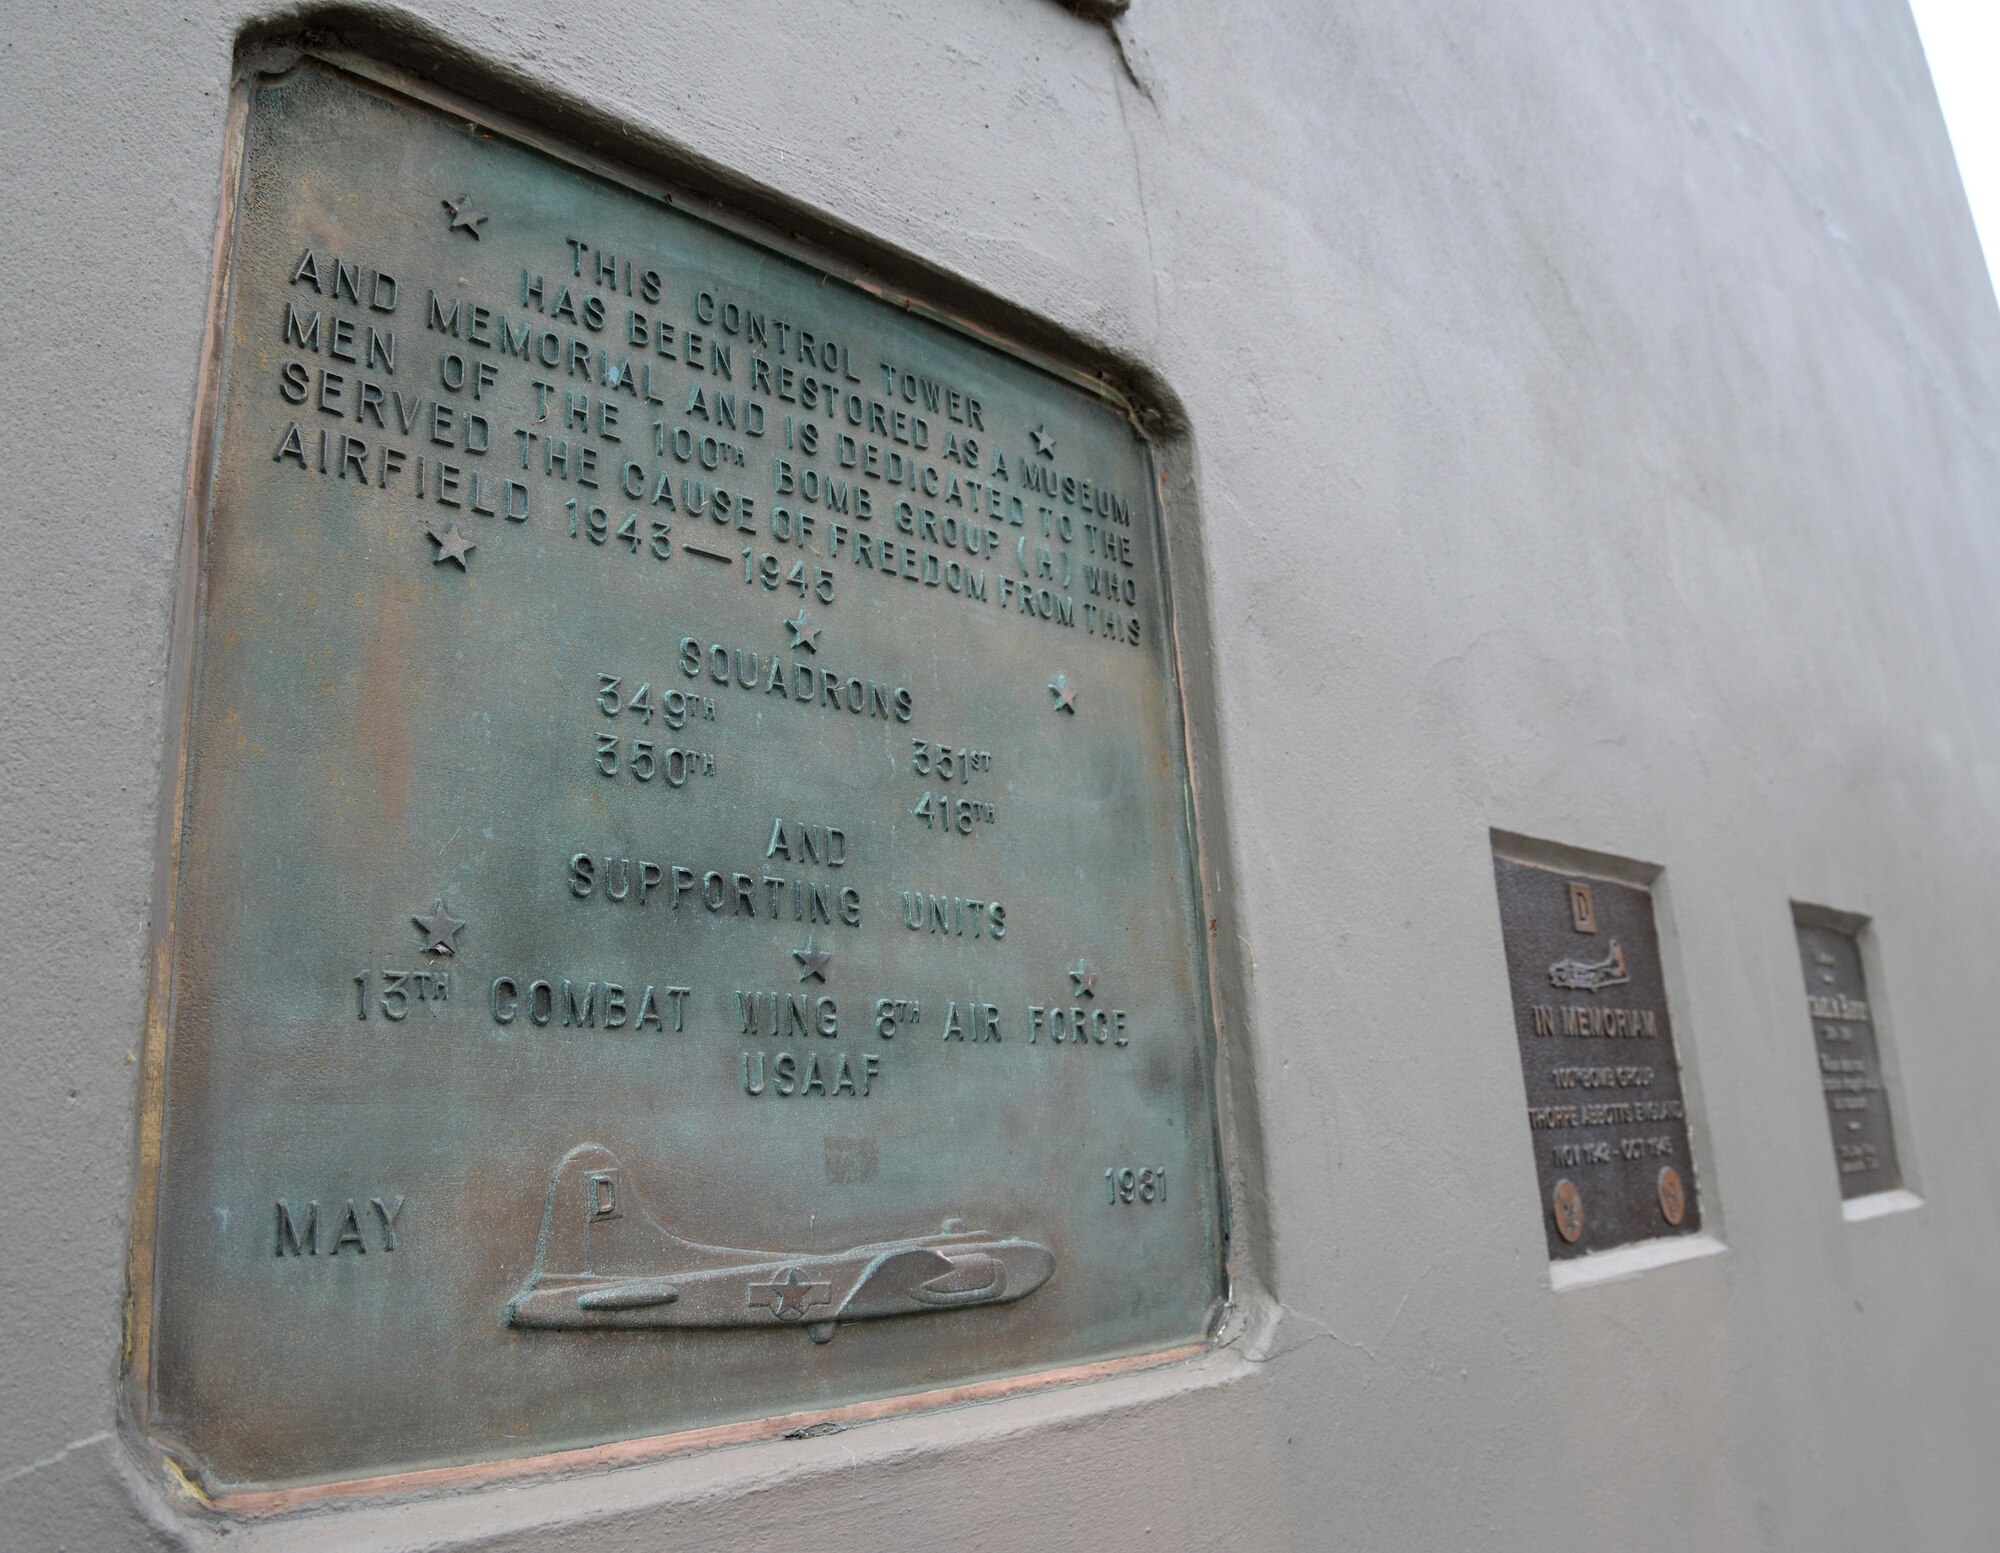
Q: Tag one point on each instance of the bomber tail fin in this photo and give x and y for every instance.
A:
(593, 1222)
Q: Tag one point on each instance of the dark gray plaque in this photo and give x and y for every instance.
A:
(1597, 1054)
(685, 906)
(1850, 1062)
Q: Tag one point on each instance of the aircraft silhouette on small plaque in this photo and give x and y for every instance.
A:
(1589, 975)
(604, 1261)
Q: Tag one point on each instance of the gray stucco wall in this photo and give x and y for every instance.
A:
(1593, 420)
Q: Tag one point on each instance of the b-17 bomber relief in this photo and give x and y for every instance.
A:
(604, 1261)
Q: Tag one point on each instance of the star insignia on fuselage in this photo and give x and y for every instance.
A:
(440, 929)
(790, 1295)
(1065, 694)
(1045, 445)
(462, 218)
(1084, 980)
(452, 545)
(813, 962)
(803, 634)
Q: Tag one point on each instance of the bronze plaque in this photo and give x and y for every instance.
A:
(1597, 1054)
(685, 903)
(1850, 1063)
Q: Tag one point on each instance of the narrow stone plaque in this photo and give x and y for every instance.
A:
(1850, 1062)
(1605, 1109)
(684, 902)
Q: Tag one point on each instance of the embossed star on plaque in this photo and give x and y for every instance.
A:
(812, 962)
(790, 1295)
(440, 929)
(462, 218)
(1045, 445)
(452, 545)
(804, 634)
(1083, 980)
(1065, 694)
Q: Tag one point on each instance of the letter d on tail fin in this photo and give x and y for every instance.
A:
(589, 1196)
(601, 1256)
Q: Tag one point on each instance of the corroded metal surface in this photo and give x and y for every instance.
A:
(686, 906)
(1849, 1059)
(1605, 1109)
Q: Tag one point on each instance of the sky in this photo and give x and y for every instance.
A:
(1962, 40)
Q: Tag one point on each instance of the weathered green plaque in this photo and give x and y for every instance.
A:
(684, 902)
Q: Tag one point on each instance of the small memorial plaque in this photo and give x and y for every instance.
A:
(1597, 1053)
(1850, 1062)
(684, 899)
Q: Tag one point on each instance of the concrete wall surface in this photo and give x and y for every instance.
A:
(1595, 430)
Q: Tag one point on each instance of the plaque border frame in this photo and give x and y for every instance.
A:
(444, 75)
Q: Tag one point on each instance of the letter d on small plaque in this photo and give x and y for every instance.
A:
(1582, 910)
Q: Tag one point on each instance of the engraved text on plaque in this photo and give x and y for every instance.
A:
(685, 904)
(1850, 1061)
(1605, 1109)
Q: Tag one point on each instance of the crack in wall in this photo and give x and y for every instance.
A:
(52, 1459)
